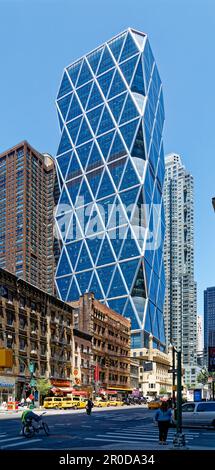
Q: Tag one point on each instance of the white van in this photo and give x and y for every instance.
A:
(198, 413)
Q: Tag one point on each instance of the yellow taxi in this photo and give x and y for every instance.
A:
(101, 403)
(74, 403)
(154, 404)
(53, 402)
(116, 403)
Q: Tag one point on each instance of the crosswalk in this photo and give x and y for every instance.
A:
(137, 434)
(6, 441)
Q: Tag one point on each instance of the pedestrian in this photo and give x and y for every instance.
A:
(28, 401)
(89, 406)
(163, 417)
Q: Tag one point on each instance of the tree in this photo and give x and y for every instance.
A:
(163, 391)
(202, 377)
(43, 386)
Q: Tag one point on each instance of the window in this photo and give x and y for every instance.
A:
(189, 408)
(206, 407)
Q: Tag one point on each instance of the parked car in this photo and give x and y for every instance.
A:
(74, 403)
(101, 403)
(116, 402)
(53, 402)
(198, 413)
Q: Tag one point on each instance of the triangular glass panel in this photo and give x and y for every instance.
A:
(94, 225)
(148, 271)
(73, 250)
(117, 86)
(94, 58)
(84, 134)
(155, 327)
(138, 149)
(129, 269)
(83, 280)
(117, 304)
(106, 123)
(105, 255)
(129, 48)
(105, 142)
(63, 162)
(95, 97)
(129, 178)
(117, 217)
(73, 71)
(161, 327)
(129, 111)
(106, 62)
(63, 284)
(74, 110)
(117, 286)
(65, 143)
(105, 275)
(74, 293)
(116, 169)
(94, 117)
(139, 288)
(140, 39)
(95, 159)
(93, 179)
(128, 132)
(73, 232)
(73, 188)
(130, 249)
(116, 105)
(106, 186)
(105, 81)
(117, 149)
(105, 207)
(137, 85)
(74, 168)
(140, 101)
(60, 120)
(83, 93)
(130, 313)
(83, 153)
(129, 198)
(65, 87)
(63, 104)
(116, 45)
(128, 67)
(63, 266)
(94, 244)
(148, 54)
(84, 193)
(85, 74)
(84, 261)
(116, 241)
(148, 323)
(95, 288)
(73, 128)
(64, 200)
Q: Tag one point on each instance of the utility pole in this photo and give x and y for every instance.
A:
(179, 438)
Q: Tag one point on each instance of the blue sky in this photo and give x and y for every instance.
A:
(39, 37)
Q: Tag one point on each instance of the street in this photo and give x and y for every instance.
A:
(106, 429)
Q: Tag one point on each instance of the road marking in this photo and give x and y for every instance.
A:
(11, 439)
(110, 440)
(136, 436)
(21, 443)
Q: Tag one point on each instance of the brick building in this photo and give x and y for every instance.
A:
(27, 181)
(110, 343)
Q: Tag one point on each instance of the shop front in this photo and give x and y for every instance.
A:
(7, 389)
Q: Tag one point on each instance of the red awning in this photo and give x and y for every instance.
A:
(68, 390)
(109, 392)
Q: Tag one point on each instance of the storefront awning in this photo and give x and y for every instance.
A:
(68, 390)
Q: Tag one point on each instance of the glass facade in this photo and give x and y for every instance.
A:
(110, 168)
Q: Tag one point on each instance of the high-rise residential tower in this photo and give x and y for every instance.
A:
(26, 215)
(110, 167)
(180, 299)
(209, 320)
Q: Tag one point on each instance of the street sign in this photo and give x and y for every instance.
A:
(33, 383)
(31, 367)
(172, 371)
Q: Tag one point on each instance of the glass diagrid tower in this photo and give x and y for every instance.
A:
(110, 167)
